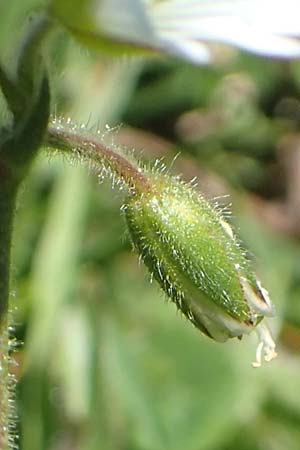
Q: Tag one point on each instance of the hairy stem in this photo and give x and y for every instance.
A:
(88, 147)
(7, 202)
(28, 98)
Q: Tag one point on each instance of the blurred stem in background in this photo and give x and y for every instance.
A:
(55, 268)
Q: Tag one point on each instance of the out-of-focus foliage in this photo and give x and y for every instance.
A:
(106, 362)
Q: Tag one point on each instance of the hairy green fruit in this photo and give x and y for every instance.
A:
(193, 254)
(186, 244)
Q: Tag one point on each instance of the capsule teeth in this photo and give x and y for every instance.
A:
(266, 347)
(264, 295)
(257, 297)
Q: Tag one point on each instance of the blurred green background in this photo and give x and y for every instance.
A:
(106, 362)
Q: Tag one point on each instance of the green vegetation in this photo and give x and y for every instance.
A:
(100, 360)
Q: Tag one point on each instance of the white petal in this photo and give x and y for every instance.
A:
(195, 51)
(279, 17)
(260, 26)
(125, 20)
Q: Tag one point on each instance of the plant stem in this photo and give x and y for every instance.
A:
(88, 147)
(28, 98)
(7, 203)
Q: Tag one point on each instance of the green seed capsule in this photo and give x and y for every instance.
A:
(193, 254)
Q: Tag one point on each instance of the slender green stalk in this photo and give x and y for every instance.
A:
(28, 98)
(7, 202)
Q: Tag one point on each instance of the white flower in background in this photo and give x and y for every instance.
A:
(186, 27)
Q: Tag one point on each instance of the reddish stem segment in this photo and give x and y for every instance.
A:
(92, 149)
